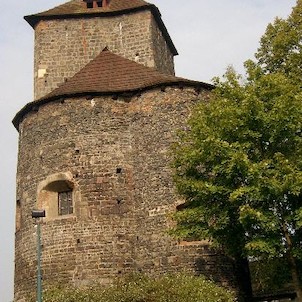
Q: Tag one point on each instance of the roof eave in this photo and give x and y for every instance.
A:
(163, 28)
(33, 20)
(54, 98)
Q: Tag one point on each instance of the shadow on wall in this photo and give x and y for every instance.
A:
(218, 268)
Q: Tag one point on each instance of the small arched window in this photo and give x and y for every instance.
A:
(56, 196)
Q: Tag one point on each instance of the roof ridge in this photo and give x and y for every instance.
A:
(55, 8)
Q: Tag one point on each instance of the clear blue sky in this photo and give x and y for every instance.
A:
(209, 36)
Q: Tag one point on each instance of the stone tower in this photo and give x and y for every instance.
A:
(94, 148)
(71, 35)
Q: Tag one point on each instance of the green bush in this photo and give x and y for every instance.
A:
(140, 288)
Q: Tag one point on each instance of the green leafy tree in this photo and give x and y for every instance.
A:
(281, 46)
(140, 288)
(239, 163)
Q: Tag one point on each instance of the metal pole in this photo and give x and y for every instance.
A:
(39, 274)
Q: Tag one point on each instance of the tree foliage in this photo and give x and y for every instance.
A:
(239, 163)
(140, 288)
(281, 46)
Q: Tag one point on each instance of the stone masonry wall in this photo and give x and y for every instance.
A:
(63, 47)
(116, 155)
(163, 58)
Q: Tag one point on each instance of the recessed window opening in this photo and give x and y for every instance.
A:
(95, 3)
(18, 215)
(65, 204)
(57, 198)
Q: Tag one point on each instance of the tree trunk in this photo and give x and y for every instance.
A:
(243, 275)
(295, 276)
(293, 264)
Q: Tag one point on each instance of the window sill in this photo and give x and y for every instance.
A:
(70, 217)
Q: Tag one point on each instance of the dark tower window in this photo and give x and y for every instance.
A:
(65, 205)
(95, 3)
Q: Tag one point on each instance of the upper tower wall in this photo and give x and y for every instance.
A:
(71, 35)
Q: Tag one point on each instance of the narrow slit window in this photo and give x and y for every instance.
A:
(65, 204)
(18, 215)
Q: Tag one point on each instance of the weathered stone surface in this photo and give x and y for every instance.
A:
(113, 153)
(63, 47)
(120, 219)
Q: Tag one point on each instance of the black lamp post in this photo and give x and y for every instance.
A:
(37, 214)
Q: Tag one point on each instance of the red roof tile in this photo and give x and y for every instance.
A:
(109, 73)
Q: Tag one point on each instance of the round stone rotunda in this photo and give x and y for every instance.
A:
(94, 149)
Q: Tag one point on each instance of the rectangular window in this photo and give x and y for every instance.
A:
(89, 3)
(65, 205)
(95, 3)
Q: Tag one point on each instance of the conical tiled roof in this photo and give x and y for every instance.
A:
(78, 8)
(109, 73)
